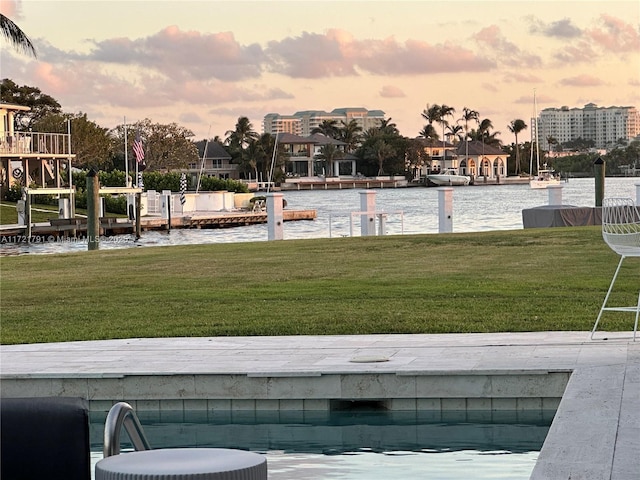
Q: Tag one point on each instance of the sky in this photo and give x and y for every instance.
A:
(202, 64)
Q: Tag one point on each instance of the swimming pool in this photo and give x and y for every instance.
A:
(359, 445)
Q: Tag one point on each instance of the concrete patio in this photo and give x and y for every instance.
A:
(594, 384)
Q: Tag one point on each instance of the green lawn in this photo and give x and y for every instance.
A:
(521, 280)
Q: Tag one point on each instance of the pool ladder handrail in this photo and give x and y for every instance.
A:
(122, 414)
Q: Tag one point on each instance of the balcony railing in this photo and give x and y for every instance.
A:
(35, 143)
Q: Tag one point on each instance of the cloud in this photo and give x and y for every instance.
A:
(615, 35)
(507, 52)
(178, 54)
(391, 91)
(578, 53)
(336, 53)
(582, 81)
(522, 78)
(558, 29)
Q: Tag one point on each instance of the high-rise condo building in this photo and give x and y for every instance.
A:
(605, 126)
(302, 123)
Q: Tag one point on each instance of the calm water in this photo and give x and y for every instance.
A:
(475, 208)
(359, 446)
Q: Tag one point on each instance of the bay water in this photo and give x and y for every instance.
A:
(408, 211)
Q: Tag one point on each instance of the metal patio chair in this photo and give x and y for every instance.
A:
(621, 232)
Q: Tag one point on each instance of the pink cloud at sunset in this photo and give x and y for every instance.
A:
(197, 61)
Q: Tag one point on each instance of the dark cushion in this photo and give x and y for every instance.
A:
(44, 438)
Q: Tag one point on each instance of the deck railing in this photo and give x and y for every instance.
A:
(22, 143)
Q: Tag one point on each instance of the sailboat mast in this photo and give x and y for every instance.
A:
(273, 161)
(204, 154)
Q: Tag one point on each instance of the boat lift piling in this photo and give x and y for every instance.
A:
(275, 217)
(93, 210)
(445, 210)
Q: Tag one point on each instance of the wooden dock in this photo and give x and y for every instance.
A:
(72, 227)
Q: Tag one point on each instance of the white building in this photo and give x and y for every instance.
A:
(302, 123)
(603, 125)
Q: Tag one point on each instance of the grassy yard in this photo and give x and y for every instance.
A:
(522, 280)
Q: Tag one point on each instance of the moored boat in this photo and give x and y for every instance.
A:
(449, 177)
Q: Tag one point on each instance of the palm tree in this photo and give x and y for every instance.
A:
(454, 131)
(328, 154)
(431, 113)
(350, 133)
(429, 132)
(515, 127)
(388, 127)
(443, 112)
(242, 135)
(328, 128)
(382, 151)
(467, 115)
(16, 36)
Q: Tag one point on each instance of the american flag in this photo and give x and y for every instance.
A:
(138, 149)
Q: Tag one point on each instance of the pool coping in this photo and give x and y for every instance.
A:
(595, 433)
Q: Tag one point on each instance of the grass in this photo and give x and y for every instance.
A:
(521, 280)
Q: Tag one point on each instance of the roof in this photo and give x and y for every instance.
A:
(290, 138)
(215, 150)
(478, 148)
(321, 139)
(430, 142)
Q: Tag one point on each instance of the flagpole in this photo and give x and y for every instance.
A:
(126, 155)
(137, 181)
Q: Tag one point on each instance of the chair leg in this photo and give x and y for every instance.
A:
(606, 298)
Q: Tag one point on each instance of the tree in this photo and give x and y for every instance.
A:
(468, 115)
(387, 127)
(16, 36)
(351, 134)
(515, 127)
(239, 138)
(454, 131)
(167, 147)
(92, 144)
(429, 132)
(431, 114)
(380, 150)
(444, 112)
(328, 128)
(329, 153)
(41, 104)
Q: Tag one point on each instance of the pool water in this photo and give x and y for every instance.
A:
(359, 445)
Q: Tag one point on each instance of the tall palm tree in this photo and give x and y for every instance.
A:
(515, 127)
(16, 36)
(431, 114)
(350, 133)
(328, 128)
(444, 112)
(468, 115)
(242, 134)
(388, 127)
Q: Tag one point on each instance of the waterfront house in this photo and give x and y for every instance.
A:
(480, 160)
(215, 162)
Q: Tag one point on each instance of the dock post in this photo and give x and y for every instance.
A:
(93, 210)
(275, 217)
(555, 195)
(637, 193)
(138, 211)
(599, 167)
(445, 210)
(368, 219)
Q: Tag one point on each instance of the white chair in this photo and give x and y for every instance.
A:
(621, 231)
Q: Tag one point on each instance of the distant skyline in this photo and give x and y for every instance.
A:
(203, 64)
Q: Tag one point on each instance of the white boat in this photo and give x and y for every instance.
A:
(450, 176)
(545, 176)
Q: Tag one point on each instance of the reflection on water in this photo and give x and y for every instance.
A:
(475, 208)
(363, 445)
